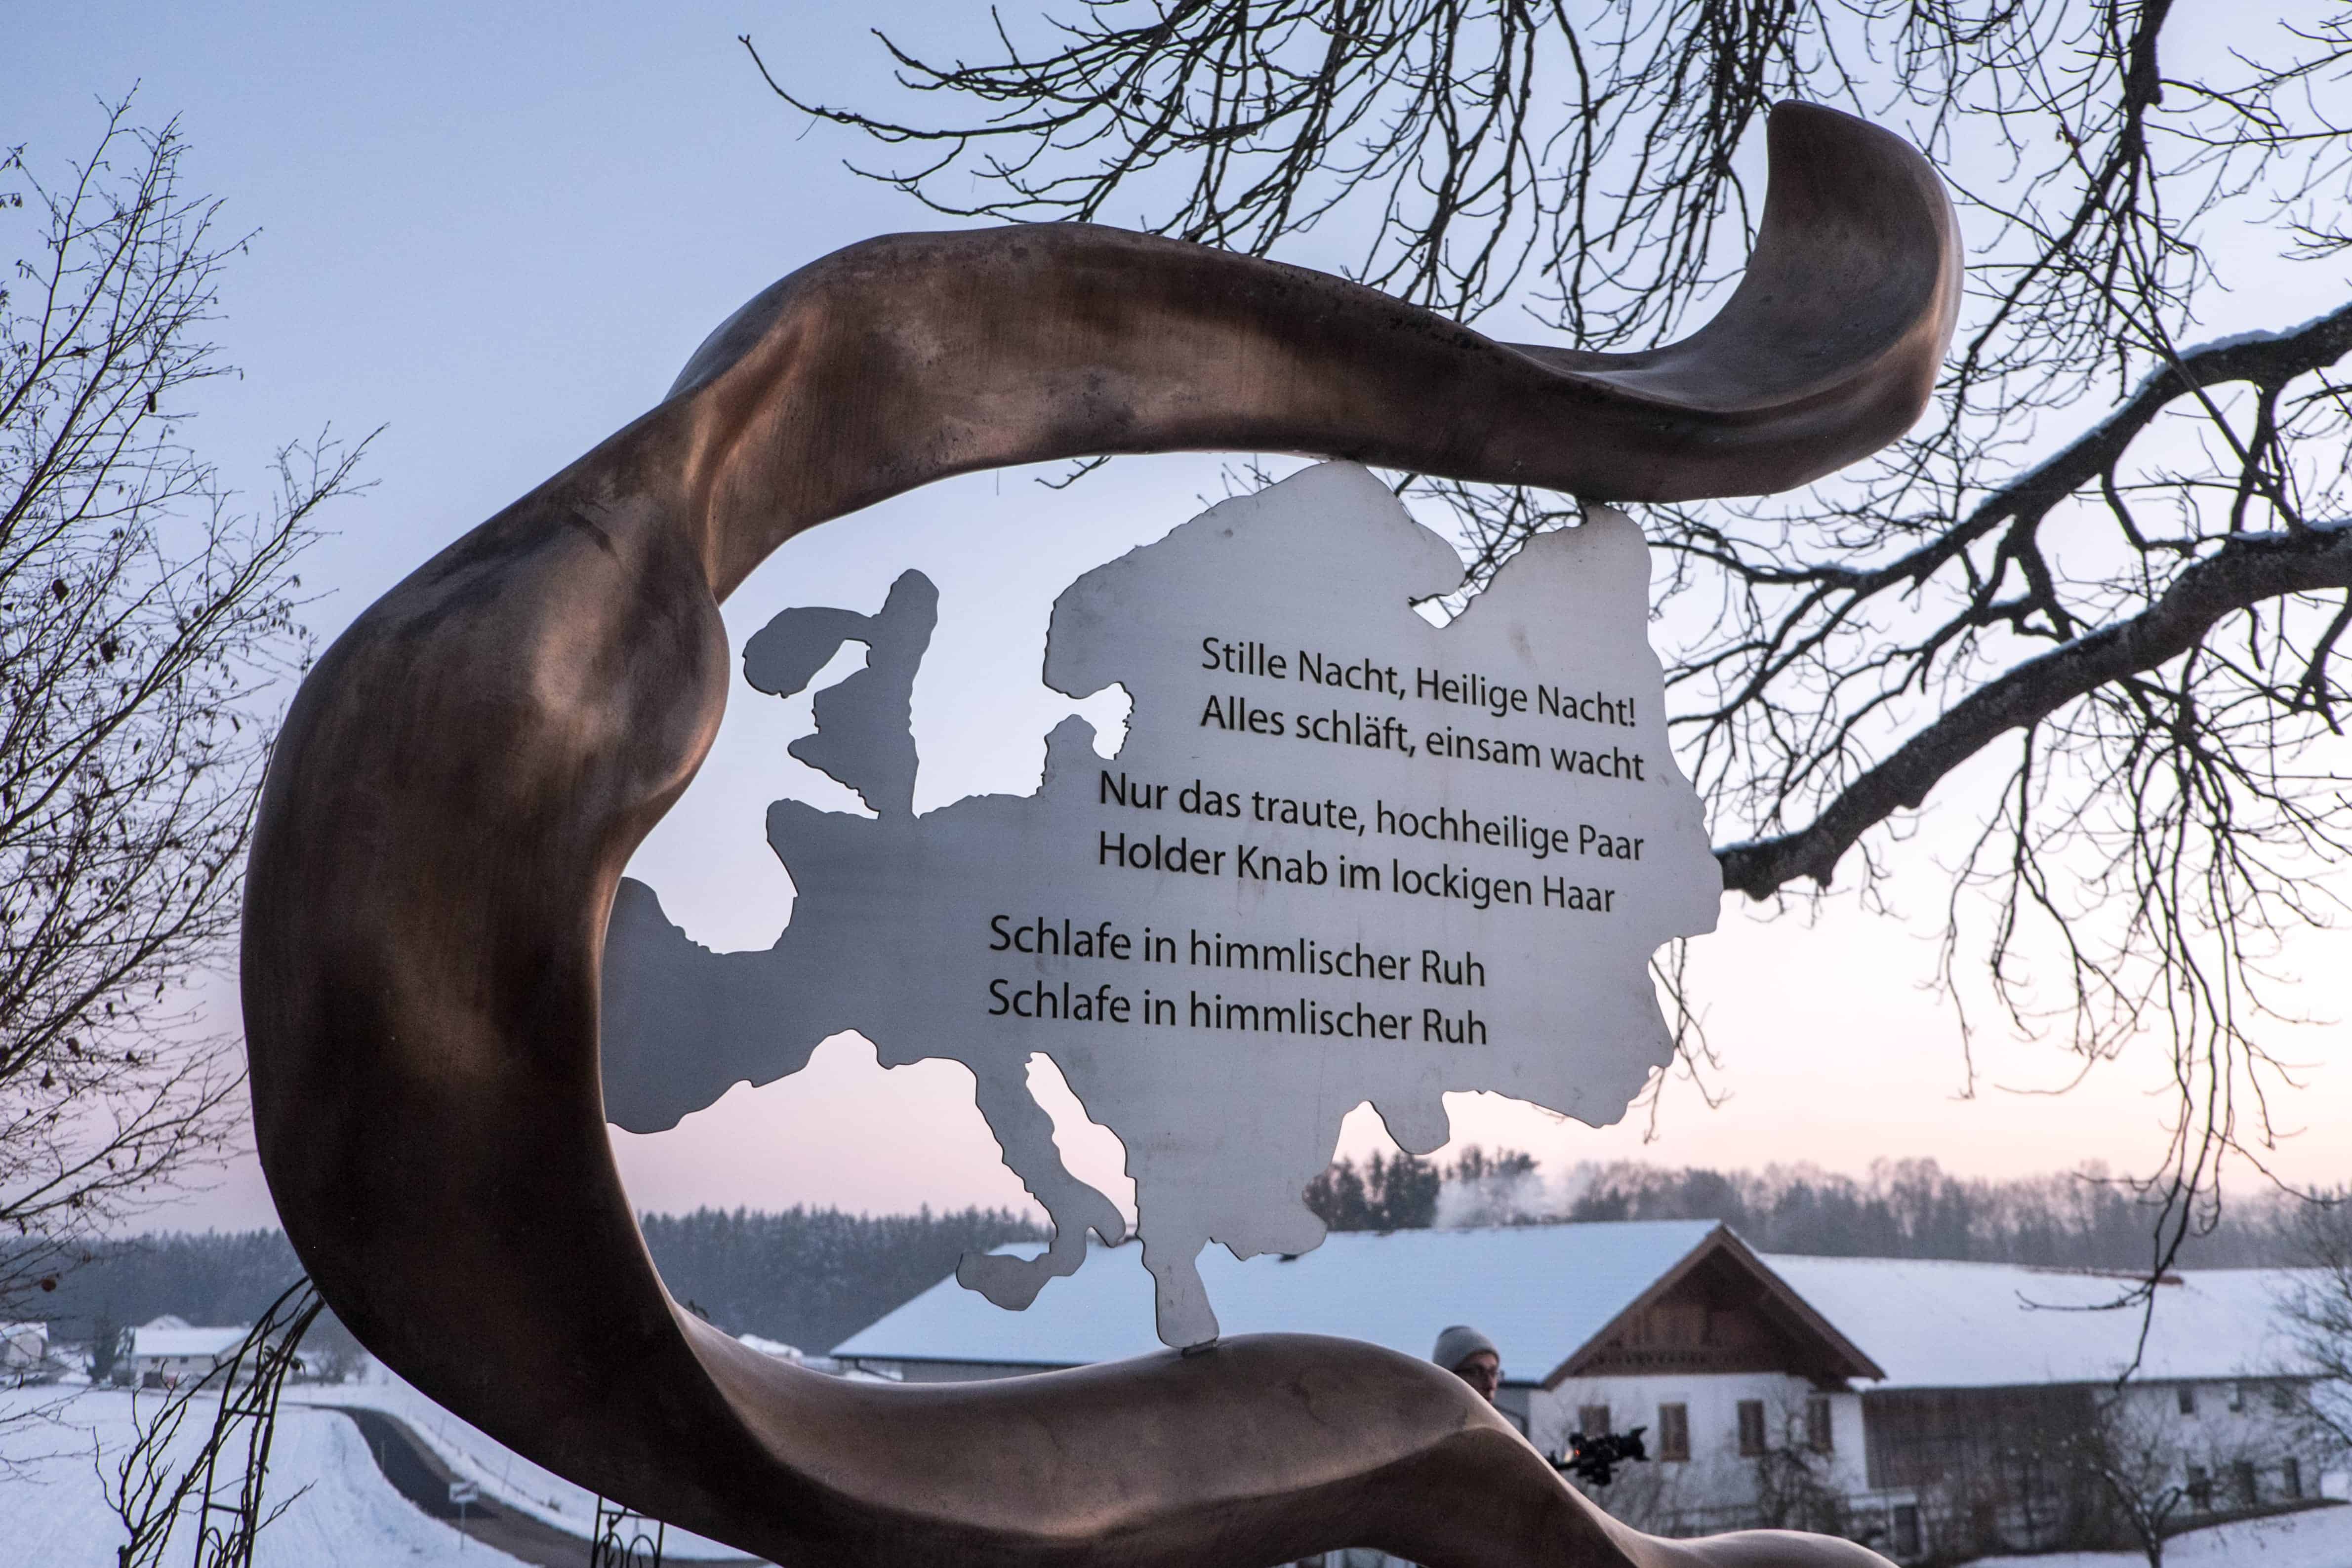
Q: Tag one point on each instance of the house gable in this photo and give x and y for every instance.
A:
(1719, 1310)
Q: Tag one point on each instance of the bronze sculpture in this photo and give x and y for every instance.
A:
(464, 773)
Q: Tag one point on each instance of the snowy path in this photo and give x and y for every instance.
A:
(368, 1487)
(419, 1475)
(346, 1514)
(508, 1480)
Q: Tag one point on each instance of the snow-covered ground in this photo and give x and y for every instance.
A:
(53, 1509)
(505, 1476)
(53, 1499)
(2319, 1539)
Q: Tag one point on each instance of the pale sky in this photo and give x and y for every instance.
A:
(497, 232)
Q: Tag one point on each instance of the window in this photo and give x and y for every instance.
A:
(1818, 1435)
(2188, 1397)
(2237, 1398)
(1673, 1432)
(2201, 1489)
(2290, 1478)
(1907, 1530)
(1751, 1426)
(1592, 1419)
(2244, 1487)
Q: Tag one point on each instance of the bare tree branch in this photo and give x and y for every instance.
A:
(143, 616)
(2247, 571)
(2123, 553)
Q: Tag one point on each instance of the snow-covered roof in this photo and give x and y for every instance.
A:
(1538, 1292)
(1983, 1325)
(1542, 1291)
(186, 1342)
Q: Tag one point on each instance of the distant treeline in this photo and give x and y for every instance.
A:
(808, 1277)
(1404, 1193)
(1903, 1208)
(813, 1277)
(208, 1278)
(1912, 1209)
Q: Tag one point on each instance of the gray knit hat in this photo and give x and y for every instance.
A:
(1459, 1344)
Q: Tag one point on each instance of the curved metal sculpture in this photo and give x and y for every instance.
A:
(464, 775)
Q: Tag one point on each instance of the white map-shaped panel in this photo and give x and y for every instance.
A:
(1343, 855)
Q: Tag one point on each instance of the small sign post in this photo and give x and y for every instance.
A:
(462, 1493)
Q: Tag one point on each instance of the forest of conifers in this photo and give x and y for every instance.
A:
(812, 1277)
(808, 1277)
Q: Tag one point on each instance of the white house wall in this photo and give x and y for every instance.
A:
(1713, 1399)
(2215, 1435)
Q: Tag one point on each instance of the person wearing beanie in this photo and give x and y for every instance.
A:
(1471, 1357)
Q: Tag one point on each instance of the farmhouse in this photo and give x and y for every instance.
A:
(165, 1352)
(1931, 1409)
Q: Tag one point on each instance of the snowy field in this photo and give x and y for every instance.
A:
(2319, 1539)
(54, 1503)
